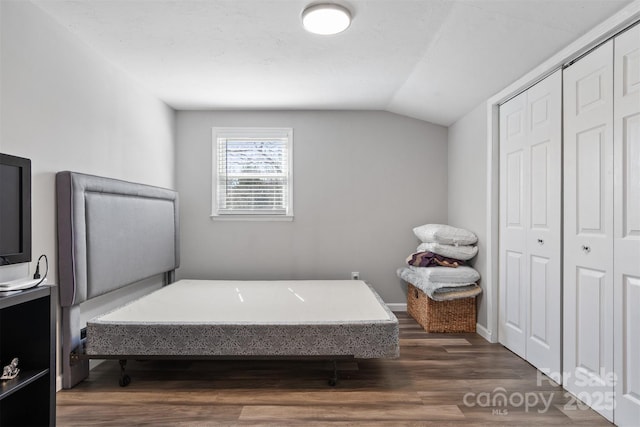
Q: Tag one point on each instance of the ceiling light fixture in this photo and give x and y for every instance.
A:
(326, 19)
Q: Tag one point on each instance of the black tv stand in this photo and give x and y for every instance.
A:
(27, 323)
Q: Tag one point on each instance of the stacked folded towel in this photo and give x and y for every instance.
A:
(438, 268)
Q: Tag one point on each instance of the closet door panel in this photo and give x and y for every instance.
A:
(513, 296)
(590, 290)
(627, 227)
(530, 214)
(513, 220)
(544, 140)
(591, 168)
(629, 365)
(588, 227)
(630, 179)
(540, 186)
(540, 324)
(515, 191)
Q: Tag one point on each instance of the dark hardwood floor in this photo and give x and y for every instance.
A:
(439, 379)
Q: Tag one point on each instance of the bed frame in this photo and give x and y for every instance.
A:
(113, 233)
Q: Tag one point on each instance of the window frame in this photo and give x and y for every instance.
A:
(251, 133)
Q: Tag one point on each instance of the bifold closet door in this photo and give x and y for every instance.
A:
(588, 229)
(626, 271)
(530, 224)
(514, 160)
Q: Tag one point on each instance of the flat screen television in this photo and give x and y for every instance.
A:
(15, 209)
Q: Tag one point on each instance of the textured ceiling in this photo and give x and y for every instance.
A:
(430, 59)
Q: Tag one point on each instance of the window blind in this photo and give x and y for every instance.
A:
(252, 176)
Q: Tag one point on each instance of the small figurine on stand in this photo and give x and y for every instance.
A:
(11, 370)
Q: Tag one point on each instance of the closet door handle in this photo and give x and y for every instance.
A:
(541, 242)
(586, 249)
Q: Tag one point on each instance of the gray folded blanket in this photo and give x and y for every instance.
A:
(443, 283)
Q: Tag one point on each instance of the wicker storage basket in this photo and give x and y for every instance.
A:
(458, 315)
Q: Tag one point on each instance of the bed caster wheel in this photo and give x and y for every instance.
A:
(125, 380)
(333, 382)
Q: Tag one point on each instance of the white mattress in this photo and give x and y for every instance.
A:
(216, 301)
(216, 318)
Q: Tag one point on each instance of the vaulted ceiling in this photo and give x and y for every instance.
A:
(430, 59)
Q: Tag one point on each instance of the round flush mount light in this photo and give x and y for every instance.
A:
(326, 19)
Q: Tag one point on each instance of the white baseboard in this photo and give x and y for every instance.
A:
(58, 383)
(397, 306)
(486, 333)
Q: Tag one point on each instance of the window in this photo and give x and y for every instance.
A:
(252, 173)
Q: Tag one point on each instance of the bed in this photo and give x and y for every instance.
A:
(113, 233)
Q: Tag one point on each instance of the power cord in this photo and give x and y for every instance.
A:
(24, 284)
(36, 275)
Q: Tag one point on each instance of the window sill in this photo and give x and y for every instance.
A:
(252, 217)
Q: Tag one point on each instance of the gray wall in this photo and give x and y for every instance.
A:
(66, 108)
(467, 171)
(362, 180)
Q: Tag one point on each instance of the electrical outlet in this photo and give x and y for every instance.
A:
(355, 275)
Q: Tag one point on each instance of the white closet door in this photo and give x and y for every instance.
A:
(514, 165)
(588, 229)
(627, 227)
(544, 228)
(530, 224)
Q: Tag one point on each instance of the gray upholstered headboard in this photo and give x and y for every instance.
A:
(111, 234)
